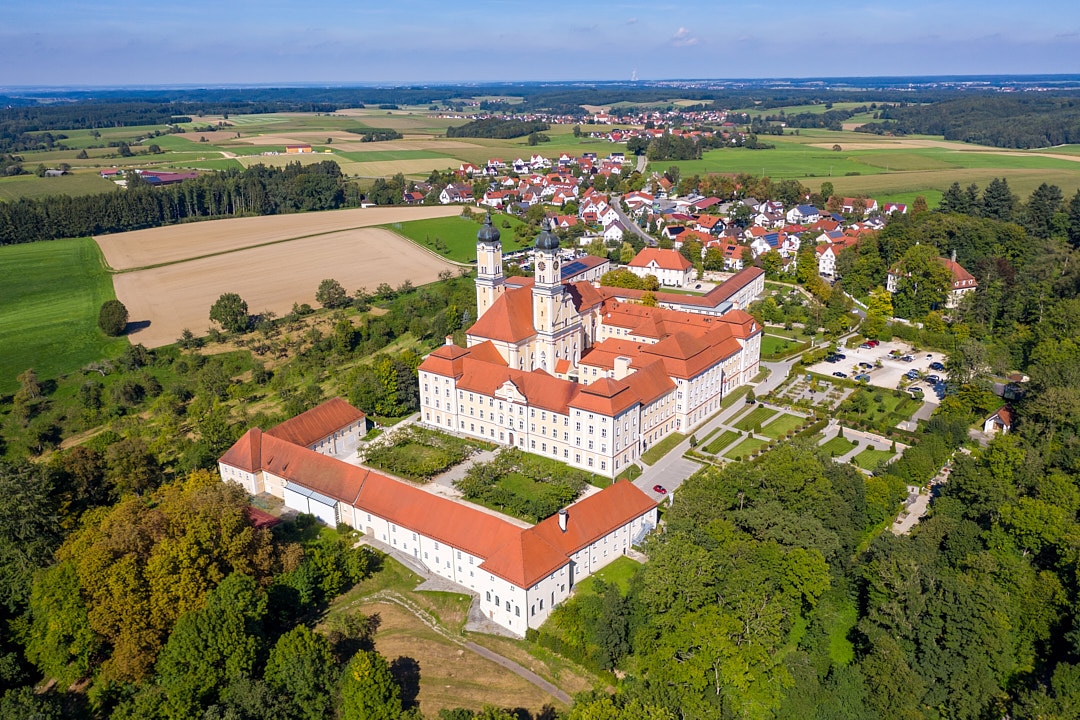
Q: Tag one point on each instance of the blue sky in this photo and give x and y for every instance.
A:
(123, 42)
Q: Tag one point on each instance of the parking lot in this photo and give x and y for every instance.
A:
(886, 370)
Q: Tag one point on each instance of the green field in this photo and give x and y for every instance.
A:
(869, 458)
(838, 446)
(755, 417)
(721, 442)
(618, 573)
(49, 302)
(782, 425)
(889, 169)
(31, 186)
(457, 234)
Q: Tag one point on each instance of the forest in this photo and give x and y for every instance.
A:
(495, 128)
(1032, 120)
(257, 190)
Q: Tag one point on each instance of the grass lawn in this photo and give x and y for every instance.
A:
(721, 442)
(773, 347)
(868, 459)
(49, 302)
(746, 447)
(838, 446)
(617, 573)
(457, 235)
(630, 472)
(414, 452)
(781, 425)
(662, 448)
(755, 417)
(734, 395)
(893, 408)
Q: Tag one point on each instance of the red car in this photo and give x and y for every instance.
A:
(659, 489)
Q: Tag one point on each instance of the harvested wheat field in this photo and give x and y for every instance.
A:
(176, 243)
(272, 277)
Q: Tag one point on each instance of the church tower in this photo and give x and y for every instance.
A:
(490, 282)
(548, 300)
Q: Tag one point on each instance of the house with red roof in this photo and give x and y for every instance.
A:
(517, 573)
(963, 282)
(668, 266)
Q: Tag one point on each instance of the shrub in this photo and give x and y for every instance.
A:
(113, 318)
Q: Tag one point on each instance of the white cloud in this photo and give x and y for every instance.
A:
(682, 38)
(631, 21)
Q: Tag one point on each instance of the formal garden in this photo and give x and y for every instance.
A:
(417, 453)
(524, 485)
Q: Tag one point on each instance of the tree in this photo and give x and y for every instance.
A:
(368, 689)
(331, 294)
(1043, 204)
(998, 202)
(212, 646)
(879, 310)
(923, 282)
(301, 667)
(1074, 220)
(648, 299)
(231, 312)
(626, 253)
(113, 317)
(919, 205)
(59, 639)
(29, 528)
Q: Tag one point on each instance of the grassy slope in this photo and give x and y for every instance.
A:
(49, 302)
(458, 233)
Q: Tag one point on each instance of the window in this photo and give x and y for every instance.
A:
(517, 611)
(533, 611)
(488, 596)
(507, 606)
(603, 432)
(497, 600)
(590, 462)
(603, 465)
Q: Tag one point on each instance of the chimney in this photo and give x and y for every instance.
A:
(622, 367)
(563, 516)
(449, 339)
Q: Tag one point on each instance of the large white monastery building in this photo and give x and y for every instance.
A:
(583, 373)
(518, 574)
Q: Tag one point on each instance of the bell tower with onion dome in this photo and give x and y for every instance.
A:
(490, 282)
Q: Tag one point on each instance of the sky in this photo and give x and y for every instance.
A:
(124, 42)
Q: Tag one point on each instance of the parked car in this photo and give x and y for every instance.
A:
(933, 379)
(866, 365)
(659, 489)
(911, 374)
(936, 366)
(840, 374)
(908, 358)
(841, 356)
(865, 346)
(862, 377)
(873, 343)
(916, 390)
(832, 359)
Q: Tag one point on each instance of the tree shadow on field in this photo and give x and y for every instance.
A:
(134, 327)
(406, 672)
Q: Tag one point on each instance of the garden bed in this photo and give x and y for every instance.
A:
(418, 454)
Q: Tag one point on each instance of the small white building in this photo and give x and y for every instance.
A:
(669, 267)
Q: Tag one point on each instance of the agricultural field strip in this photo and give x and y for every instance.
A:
(270, 277)
(155, 247)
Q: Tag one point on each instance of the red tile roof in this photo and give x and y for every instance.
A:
(309, 427)
(509, 319)
(664, 259)
(595, 516)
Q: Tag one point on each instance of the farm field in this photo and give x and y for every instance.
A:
(31, 186)
(173, 297)
(48, 318)
(891, 169)
(458, 234)
(175, 243)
